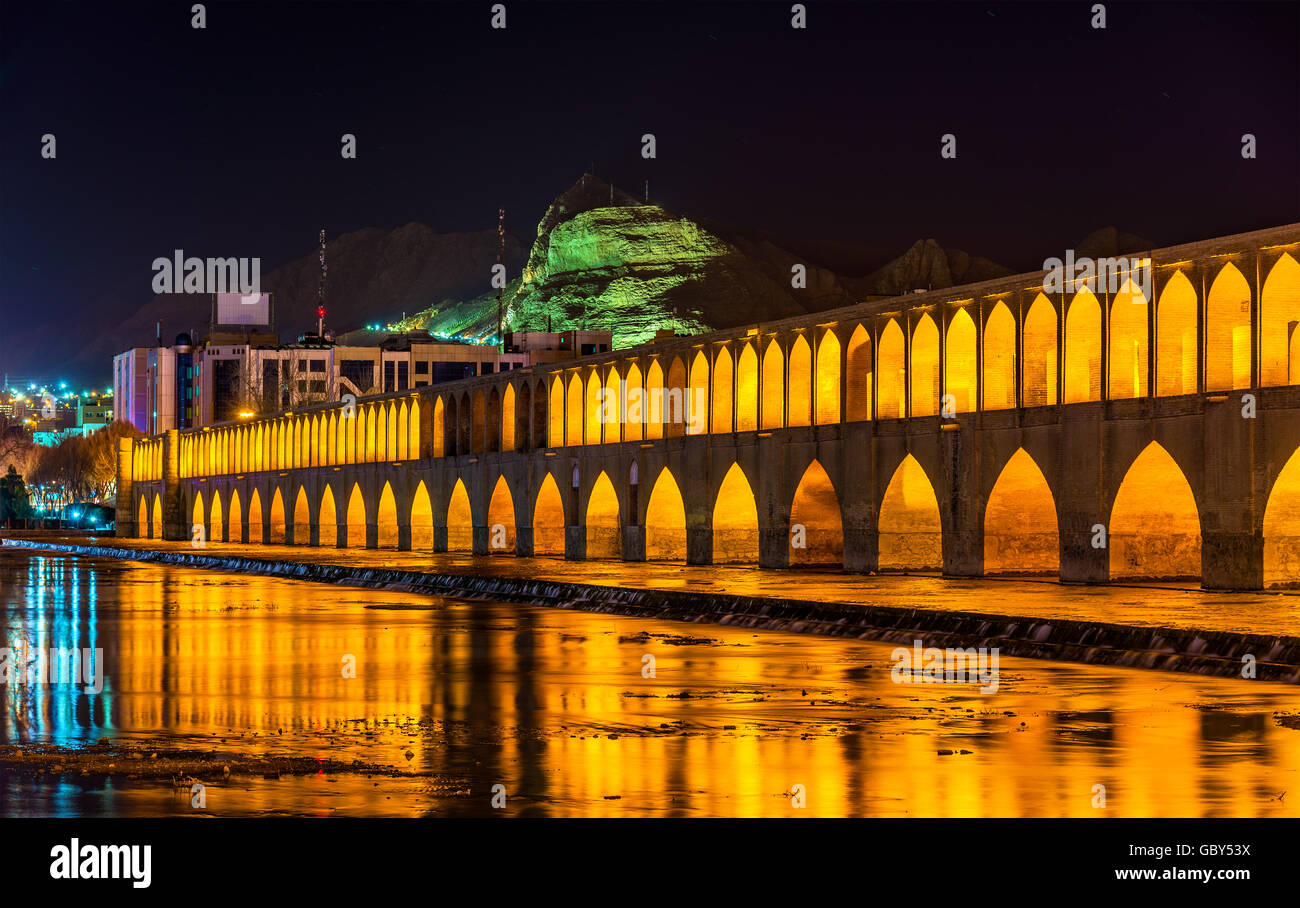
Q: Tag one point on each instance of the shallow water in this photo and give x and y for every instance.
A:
(553, 705)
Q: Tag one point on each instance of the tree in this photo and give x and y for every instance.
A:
(14, 500)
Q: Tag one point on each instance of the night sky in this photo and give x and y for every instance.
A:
(225, 141)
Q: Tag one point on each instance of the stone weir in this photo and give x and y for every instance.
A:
(1220, 653)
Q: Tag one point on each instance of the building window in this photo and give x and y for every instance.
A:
(318, 365)
(422, 367)
(318, 386)
(402, 376)
(487, 369)
(388, 376)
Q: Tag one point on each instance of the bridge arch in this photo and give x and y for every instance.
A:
(893, 372)
(548, 519)
(439, 428)
(961, 373)
(816, 526)
(999, 359)
(1021, 533)
(799, 399)
(665, 520)
(492, 422)
(573, 411)
(1128, 343)
(143, 523)
(301, 518)
(697, 396)
(510, 421)
(1038, 369)
(1282, 527)
(355, 517)
(1177, 317)
(421, 519)
(674, 405)
(857, 387)
(747, 389)
(216, 525)
(327, 517)
(723, 399)
(460, 520)
(256, 530)
(501, 519)
(591, 434)
(1279, 310)
(1154, 529)
(735, 520)
(654, 401)
(276, 530)
(604, 528)
(235, 523)
(386, 519)
(611, 412)
(1227, 331)
(925, 367)
(828, 381)
(1083, 348)
(772, 411)
(199, 515)
(910, 529)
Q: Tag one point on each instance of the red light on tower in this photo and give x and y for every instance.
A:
(320, 311)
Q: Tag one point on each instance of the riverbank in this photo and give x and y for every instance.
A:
(1020, 618)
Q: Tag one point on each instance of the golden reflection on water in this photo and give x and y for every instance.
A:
(553, 705)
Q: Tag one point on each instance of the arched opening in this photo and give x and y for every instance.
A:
(1039, 364)
(573, 429)
(386, 518)
(451, 438)
(723, 404)
(674, 406)
(1227, 332)
(235, 525)
(421, 519)
(501, 520)
(1020, 528)
(556, 429)
(634, 426)
(199, 516)
(799, 400)
(390, 443)
(925, 367)
(508, 419)
(460, 520)
(816, 530)
(327, 518)
(1279, 316)
(256, 532)
(356, 519)
(216, 527)
(612, 408)
(1282, 527)
(1176, 330)
(961, 372)
(372, 450)
(439, 429)
(735, 520)
(910, 530)
(403, 432)
(665, 521)
(828, 379)
(492, 422)
(476, 431)
(604, 529)
(382, 452)
(1000, 359)
(1155, 530)
(1083, 348)
(414, 448)
(747, 390)
(773, 410)
(465, 425)
(541, 416)
(548, 519)
(697, 396)
(857, 389)
(301, 519)
(1128, 343)
(143, 526)
(654, 401)
(276, 527)
(591, 434)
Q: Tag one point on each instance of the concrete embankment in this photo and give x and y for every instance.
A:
(1206, 652)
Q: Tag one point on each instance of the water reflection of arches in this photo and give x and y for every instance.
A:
(1154, 529)
(256, 531)
(548, 519)
(665, 521)
(356, 519)
(386, 519)
(1021, 535)
(816, 529)
(1282, 527)
(501, 520)
(327, 518)
(604, 529)
(421, 519)
(910, 530)
(460, 520)
(735, 520)
(275, 528)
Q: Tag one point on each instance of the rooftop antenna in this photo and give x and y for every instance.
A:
(501, 252)
(320, 289)
(647, 192)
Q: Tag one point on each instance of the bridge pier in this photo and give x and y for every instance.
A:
(1232, 561)
(575, 543)
(439, 538)
(524, 546)
(963, 540)
(480, 544)
(634, 543)
(699, 544)
(403, 537)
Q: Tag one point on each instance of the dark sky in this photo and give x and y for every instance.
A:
(225, 141)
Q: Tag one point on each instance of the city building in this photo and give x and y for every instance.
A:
(557, 346)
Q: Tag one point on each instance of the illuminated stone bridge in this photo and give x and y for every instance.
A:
(1090, 434)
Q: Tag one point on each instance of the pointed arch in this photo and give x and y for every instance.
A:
(772, 411)
(1176, 336)
(1227, 331)
(924, 372)
(1038, 380)
(386, 519)
(1000, 359)
(332, 439)
(654, 401)
(156, 517)
(508, 419)
(371, 447)
(961, 374)
(501, 520)
(828, 379)
(573, 414)
(492, 421)
(421, 519)
(723, 402)
(403, 431)
(478, 424)
(301, 518)
(910, 529)
(665, 521)
(356, 519)
(235, 523)
(893, 372)
(439, 429)
(1154, 528)
(634, 427)
(555, 434)
(1021, 535)
(1279, 324)
(460, 520)
(143, 526)
(799, 399)
(602, 520)
(674, 405)
(548, 519)
(1128, 343)
(591, 435)
(275, 530)
(1083, 348)
(413, 450)
(327, 518)
(216, 525)
(199, 515)
(735, 520)
(256, 532)
(816, 527)
(857, 390)
(747, 390)
(697, 396)
(612, 408)
(1282, 527)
